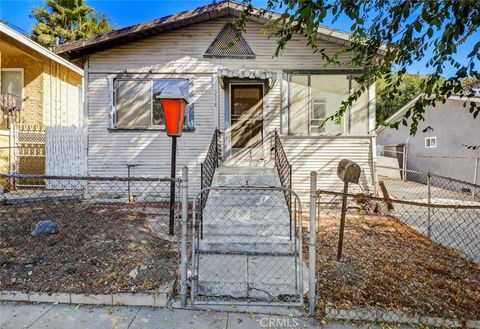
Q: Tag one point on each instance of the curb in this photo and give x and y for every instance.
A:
(159, 299)
(395, 316)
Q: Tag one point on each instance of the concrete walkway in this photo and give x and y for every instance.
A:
(52, 316)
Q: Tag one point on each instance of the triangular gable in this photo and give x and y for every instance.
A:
(229, 44)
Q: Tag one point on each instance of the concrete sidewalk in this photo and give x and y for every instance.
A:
(23, 315)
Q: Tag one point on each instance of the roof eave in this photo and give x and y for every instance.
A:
(38, 48)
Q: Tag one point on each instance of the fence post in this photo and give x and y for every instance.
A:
(183, 256)
(475, 176)
(429, 200)
(311, 243)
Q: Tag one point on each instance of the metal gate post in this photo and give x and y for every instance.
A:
(429, 201)
(311, 243)
(183, 256)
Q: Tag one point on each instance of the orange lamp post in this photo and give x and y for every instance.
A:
(174, 105)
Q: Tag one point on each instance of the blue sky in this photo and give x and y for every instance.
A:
(129, 12)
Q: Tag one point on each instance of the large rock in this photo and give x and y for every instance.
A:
(45, 227)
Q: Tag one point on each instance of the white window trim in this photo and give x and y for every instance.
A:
(431, 138)
(311, 111)
(144, 78)
(21, 70)
(345, 118)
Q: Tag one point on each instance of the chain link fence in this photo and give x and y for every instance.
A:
(110, 235)
(403, 261)
(405, 184)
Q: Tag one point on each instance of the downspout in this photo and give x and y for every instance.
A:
(405, 159)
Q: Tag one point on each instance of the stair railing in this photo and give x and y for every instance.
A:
(284, 169)
(207, 170)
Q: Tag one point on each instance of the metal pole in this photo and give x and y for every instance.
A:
(475, 176)
(311, 244)
(172, 185)
(404, 163)
(429, 201)
(342, 221)
(183, 257)
(128, 184)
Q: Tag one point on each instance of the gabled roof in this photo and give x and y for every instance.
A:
(38, 48)
(202, 14)
(401, 112)
(229, 44)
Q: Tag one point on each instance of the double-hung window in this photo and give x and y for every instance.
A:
(137, 102)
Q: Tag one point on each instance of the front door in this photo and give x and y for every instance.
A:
(247, 116)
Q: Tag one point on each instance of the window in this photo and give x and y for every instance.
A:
(430, 142)
(137, 104)
(318, 114)
(11, 82)
(313, 98)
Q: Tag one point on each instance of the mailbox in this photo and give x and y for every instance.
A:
(348, 171)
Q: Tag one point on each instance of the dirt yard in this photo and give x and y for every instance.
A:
(98, 249)
(388, 265)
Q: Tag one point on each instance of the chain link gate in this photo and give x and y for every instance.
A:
(247, 247)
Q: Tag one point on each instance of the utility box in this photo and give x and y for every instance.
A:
(348, 171)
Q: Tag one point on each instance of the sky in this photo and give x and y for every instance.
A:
(130, 12)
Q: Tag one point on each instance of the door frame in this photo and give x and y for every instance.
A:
(228, 112)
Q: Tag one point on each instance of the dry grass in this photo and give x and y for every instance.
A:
(94, 252)
(388, 265)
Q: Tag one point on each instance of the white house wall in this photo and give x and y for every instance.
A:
(180, 52)
(322, 155)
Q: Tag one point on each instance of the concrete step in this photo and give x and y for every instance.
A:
(253, 200)
(258, 244)
(242, 276)
(250, 180)
(237, 227)
(223, 212)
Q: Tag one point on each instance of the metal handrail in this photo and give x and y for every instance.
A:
(284, 169)
(207, 170)
(211, 162)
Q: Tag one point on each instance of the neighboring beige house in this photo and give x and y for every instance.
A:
(241, 89)
(48, 91)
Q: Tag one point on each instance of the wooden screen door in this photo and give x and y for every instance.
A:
(247, 115)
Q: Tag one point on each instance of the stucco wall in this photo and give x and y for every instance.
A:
(454, 126)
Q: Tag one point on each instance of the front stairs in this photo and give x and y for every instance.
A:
(247, 247)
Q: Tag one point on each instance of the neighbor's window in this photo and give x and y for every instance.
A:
(315, 97)
(137, 104)
(430, 142)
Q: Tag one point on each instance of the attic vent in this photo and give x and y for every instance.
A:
(228, 44)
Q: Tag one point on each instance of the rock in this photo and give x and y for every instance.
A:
(45, 227)
(133, 273)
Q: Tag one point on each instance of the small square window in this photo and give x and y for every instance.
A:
(430, 142)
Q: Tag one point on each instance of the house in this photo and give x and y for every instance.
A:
(440, 145)
(234, 84)
(44, 135)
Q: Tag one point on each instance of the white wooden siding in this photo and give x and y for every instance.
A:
(110, 150)
(322, 154)
(180, 52)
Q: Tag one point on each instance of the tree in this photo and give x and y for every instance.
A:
(407, 90)
(66, 21)
(388, 36)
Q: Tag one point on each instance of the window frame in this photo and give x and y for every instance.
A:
(349, 74)
(428, 142)
(312, 111)
(22, 94)
(153, 127)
